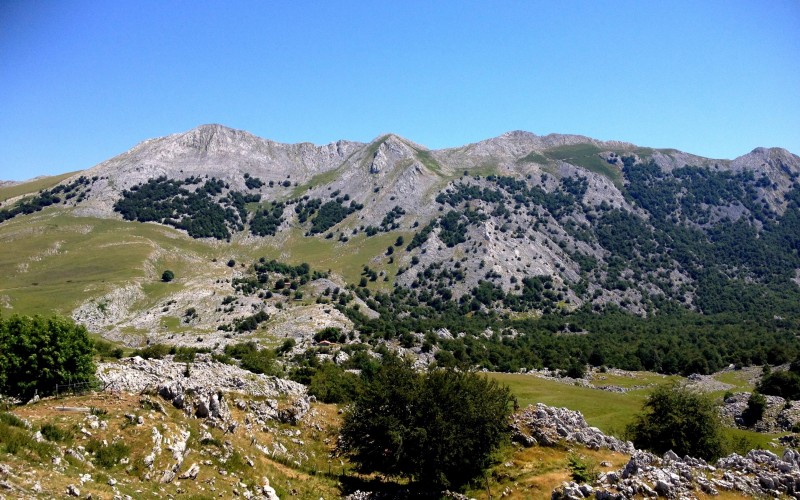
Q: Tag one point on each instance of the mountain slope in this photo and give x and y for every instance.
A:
(520, 224)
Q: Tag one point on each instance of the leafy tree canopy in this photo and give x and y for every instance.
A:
(675, 418)
(437, 428)
(37, 353)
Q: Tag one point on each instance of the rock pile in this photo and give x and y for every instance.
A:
(202, 393)
(759, 473)
(546, 425)
(138, 375)
(779, 415)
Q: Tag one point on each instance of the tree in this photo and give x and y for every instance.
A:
(785, 384)
(675, 418)
(167, 276)
(38, 353)
(437, 428)
(331, 384)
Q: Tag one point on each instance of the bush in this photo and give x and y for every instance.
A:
(331, 384)
(331, 334)
(106, 349)
(262, 361)
(287, 346)
(675, 418)
(252, 359)
(108, 456)
(582, 470)
(167, 276)
(756, 405)
(52, 432)
(439, 428)
(153, 351)
(37, 353)
(785, 384)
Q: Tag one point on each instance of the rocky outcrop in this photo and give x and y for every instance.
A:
(168, 377)
(759, 473)
(780, 415)
(546, 425)
(204, 393)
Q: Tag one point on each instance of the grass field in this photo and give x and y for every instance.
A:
(52, 261)
(33, 186)
(611, 412)
(586, 156)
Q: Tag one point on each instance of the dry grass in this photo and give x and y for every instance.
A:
(304, 480)
(532, 473)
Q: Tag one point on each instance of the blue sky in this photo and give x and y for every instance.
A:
(83, 81)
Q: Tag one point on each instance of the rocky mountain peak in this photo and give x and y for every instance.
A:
(213, 137)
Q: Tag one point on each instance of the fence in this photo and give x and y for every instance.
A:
(77, 388)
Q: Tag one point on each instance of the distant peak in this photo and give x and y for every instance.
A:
(392, 139)
(518, 134)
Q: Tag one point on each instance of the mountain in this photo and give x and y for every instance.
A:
(520, 226)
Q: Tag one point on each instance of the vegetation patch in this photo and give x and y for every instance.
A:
(37, 355)
(61, 193)
(202, 211)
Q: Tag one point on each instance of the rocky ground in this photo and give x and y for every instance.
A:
(220, 430)
(759, 473)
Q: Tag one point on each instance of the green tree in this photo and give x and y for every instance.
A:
(331, 384)
(675, 418)
(167, 276)
(437, 428)
(785, 384)
(37, 353)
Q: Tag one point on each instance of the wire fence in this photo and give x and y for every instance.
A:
(77, 388)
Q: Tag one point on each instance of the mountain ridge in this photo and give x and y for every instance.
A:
(518, 224)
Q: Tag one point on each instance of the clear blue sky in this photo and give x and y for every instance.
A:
(83, 81)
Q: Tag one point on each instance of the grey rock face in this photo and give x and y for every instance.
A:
(548, 425)
(168, 379)
(759, 473)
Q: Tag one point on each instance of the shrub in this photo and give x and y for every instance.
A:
(52, 432)
(107, 456)
(106, 349)
(186, 354)
(582, 470)
(167, 276)
(675, 418)
(756, 405)
(153, 351)
(262, 361)
(37, 353)
(785, 384)
(439, 428)
(329, 333)
(252, 359)
(287, 346)
(331, 384)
